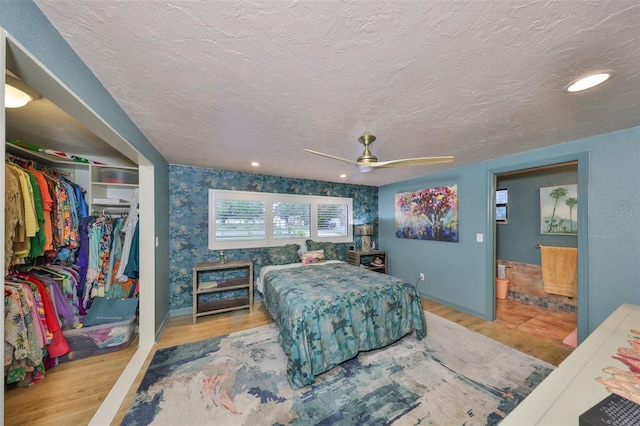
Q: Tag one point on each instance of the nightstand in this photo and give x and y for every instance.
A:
(217, 277)
(366, 258)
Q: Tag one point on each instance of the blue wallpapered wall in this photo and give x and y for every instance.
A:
(188, 215)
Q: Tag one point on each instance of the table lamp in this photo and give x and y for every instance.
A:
(365, 231)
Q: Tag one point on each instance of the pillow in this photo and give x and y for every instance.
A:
(282, 255)
(330, 250)
(312, 257)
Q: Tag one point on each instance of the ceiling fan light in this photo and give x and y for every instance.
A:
(364, 169)
(588, 82)
(17, 94)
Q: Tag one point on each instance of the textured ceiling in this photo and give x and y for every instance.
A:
(220, 84)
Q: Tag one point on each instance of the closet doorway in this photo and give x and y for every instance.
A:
(64, 122)
(515, 240)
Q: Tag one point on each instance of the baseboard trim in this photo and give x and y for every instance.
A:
(111, 404)
(455, 306)
(181, 311)
(163, 325)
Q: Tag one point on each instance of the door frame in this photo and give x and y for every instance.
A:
(38, 76)
(582, 158)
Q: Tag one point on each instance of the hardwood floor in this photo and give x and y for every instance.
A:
(72, 392)
(510, 332)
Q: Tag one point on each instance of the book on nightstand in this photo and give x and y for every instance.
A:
(613, 410)
(208, 285)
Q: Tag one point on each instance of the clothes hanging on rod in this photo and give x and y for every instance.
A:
(109, 247)
(43, 212)
(37, 313)
(130, 226)
(24, 341)
(57, 259)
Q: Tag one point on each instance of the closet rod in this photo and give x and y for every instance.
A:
(33, 164)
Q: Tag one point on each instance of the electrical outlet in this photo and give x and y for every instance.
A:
(421, 276)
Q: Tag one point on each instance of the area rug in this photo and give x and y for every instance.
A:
(452, 376)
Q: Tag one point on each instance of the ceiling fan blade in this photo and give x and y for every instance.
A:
(419, 161)
(351, 176)
(331, 156)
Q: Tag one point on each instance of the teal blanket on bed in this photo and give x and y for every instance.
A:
(327, 313)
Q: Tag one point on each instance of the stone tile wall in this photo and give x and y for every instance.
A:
(526, 287)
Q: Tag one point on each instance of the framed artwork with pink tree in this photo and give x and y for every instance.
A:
(428, 214)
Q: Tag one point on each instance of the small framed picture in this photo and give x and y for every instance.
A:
(352, 248)
(558, 211)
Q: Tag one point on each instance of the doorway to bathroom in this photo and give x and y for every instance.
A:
(524, 299)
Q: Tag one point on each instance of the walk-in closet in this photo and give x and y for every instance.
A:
(74, 224)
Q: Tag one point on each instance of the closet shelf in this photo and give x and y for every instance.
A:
(110, 201)
(42, 157)
(113, 205)
(112, 196)
(115, 185)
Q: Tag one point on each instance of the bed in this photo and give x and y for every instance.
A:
(328, 312)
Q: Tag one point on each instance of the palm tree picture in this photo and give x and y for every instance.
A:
(558, 214)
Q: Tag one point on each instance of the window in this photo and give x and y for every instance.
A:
(501, 213)
(334, 220)
(502, 199)
(240, 219)
(502, 196)
(291, 220)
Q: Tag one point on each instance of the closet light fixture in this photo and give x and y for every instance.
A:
(17, 94)
(589, 81)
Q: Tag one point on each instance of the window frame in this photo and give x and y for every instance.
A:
(502, 205)
(269, 198)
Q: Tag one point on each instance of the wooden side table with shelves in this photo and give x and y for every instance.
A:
(366, 259)
(213, 270)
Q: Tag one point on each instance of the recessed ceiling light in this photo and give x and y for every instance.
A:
(343, 176)
(589, 81)
(255, 164)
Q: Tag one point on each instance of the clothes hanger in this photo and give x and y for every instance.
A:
(56, 275)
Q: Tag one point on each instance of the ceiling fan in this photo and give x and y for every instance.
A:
(367, 161)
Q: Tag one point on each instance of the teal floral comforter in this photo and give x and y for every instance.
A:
(327, 313)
